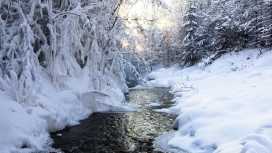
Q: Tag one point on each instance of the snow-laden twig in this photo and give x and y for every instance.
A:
(182, 86)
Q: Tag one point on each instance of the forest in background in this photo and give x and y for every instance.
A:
(211, 28)
(62, 36)
(199, 31)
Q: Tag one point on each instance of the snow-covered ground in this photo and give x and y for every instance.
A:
(25, 128)
(225, 107)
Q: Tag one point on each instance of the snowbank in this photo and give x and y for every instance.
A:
(225, 107)
(26, 128)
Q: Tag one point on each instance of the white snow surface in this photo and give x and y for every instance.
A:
(154, 104)
(225, 107)
(26, 128)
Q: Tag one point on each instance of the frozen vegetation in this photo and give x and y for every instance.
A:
(224, 107)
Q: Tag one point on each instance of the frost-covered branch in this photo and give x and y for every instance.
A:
(60, 37)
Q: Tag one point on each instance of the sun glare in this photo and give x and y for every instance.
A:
(140, 16)
(138, 9)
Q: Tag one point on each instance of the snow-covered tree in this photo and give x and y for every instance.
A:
(61, 37)
(266, 29)
(262, 23)
(144, 39)
(190, 53)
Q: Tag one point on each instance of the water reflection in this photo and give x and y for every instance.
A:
(120, 132)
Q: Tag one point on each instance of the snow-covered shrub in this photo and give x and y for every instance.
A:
(61, 37)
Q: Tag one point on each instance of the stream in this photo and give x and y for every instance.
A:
(120, 132)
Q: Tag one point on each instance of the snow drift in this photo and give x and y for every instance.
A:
(225, 107)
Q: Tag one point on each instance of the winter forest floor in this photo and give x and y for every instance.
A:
(224, 107)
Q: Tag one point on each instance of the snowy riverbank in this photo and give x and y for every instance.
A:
(26, 127)
(225, 107)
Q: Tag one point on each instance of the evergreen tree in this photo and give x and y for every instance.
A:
(190, 54)
(264, 26)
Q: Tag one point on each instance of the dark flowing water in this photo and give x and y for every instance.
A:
(120, 132)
